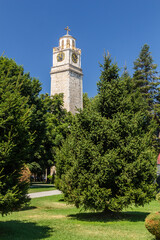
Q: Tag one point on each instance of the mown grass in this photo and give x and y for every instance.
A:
(41, 187)
(51, 219)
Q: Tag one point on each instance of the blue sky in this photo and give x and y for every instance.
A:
(29, 29)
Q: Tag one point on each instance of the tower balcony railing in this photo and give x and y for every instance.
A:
(77, 50)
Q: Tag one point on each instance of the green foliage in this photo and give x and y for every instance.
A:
(15, 138)
(158, 197)
(31, 128)
(28, 88)
(34, 167)
(49, 121)
(108, 162)
(108, 88)
(57, 122)
(51, 178)
(86, 100)
(152, 223)
(145, 75)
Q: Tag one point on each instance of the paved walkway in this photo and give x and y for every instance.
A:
(44, 194)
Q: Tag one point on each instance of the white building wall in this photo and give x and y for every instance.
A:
(60, 84)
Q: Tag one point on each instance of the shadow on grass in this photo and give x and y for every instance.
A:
(61, 200)
(104, 217)
(18, 230)
(42, 186)
(27, 208)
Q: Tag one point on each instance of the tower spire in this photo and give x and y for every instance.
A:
(67, 29)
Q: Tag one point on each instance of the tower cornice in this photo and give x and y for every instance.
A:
(57, 49)
(66, 67)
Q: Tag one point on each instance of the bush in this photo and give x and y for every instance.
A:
(152, 223)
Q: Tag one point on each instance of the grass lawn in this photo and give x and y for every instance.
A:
(51, 219)
(41, 188)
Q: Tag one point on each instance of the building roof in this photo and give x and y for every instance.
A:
(67, 36)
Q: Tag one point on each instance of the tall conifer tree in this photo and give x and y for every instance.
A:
(145, 75)
(108, 162)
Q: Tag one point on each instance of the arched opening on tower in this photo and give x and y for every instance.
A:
(68, 43)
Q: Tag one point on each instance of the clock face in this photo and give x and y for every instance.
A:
(60, 57)
(74, 57)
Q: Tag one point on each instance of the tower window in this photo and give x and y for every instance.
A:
(68, 43)
(73, 44)
(62, 44)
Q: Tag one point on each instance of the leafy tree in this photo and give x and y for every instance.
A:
(29, 88)
(31, 128)
(35, 169)
(57, 121)
(15, 138)
(108, 161)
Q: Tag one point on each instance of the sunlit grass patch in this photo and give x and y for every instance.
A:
(50, 218)
(41, 188)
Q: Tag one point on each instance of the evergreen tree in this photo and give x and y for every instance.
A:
(125, 73)
(108, 162)
(15, 140)
(145, 75)
(109, 74)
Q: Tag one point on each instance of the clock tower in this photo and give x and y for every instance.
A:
(66, 72)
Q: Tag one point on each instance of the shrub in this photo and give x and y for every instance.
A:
(152, 223)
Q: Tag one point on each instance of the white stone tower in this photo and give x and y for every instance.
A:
(66, 72)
